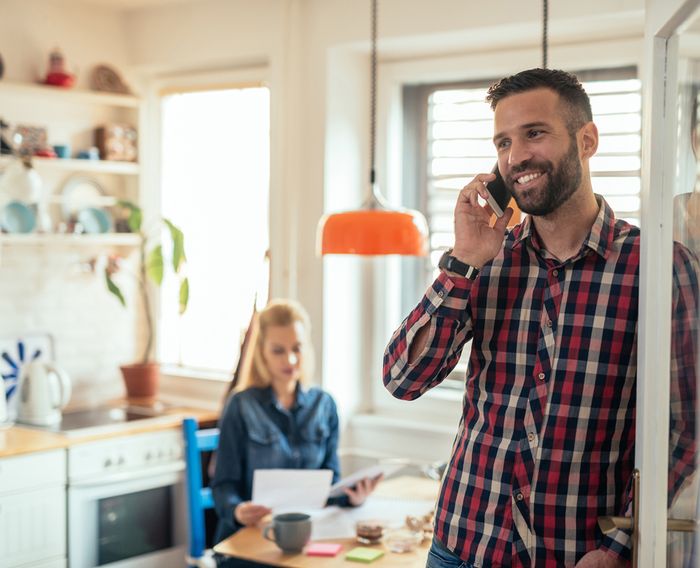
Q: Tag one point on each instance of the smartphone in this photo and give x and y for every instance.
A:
(499, 196)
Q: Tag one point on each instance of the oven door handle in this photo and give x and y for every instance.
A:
(122, 476)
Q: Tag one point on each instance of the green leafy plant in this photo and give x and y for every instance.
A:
(151, 268)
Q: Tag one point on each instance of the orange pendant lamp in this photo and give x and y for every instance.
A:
(376, 228)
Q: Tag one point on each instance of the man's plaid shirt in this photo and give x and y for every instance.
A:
(546, 441)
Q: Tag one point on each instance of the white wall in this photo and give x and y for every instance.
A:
(50, 289)
(86, 33)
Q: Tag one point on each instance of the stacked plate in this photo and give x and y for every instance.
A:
(81, 200)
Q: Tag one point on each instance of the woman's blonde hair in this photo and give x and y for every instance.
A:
(277, 313)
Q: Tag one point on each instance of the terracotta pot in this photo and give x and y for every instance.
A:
(141, 379)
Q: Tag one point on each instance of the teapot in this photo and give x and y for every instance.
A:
(44, 389)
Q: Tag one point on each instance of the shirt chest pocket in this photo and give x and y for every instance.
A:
(313, 444)
(265, 449)
(315, 433)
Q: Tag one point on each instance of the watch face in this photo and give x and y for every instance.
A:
(444, 261)
(451, 264)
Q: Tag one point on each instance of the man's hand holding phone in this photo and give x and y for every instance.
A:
(476, 241)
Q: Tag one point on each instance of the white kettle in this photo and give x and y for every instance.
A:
(5, 421)
(44, 389)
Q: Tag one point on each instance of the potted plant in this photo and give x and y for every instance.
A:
(141, 378)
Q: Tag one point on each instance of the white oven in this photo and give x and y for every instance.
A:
(126, 502)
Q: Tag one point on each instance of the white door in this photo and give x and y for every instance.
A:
(667, 380)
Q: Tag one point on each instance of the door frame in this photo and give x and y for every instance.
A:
(663, 18)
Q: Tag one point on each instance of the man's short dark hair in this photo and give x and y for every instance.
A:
(566, 85)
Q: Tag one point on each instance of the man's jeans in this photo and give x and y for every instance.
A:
(440, 557)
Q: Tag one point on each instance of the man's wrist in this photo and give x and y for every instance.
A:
(469, 258)
(452, 266)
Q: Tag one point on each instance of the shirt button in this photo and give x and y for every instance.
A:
(549, 323)
(441, 293)
(541, 376)
(531, 437)
(519, 497)
(555, 273)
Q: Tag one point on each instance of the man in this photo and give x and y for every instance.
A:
(545, 444)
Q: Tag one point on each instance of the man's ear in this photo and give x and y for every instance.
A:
(588, 140)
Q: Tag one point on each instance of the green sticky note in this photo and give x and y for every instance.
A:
(362, 554)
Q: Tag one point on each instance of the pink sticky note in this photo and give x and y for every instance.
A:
(323, 549)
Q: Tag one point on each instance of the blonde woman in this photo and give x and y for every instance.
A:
(273, 420)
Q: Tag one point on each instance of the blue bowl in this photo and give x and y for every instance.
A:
(95, 220)
(17, 218)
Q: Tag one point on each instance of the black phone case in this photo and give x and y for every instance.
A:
(498, 190)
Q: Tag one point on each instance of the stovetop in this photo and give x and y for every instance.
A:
(105, 419)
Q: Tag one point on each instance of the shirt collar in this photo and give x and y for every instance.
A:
(301, 399)
(599, 239)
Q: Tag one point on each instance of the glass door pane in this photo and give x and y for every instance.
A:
(134, 524)
(682, 468)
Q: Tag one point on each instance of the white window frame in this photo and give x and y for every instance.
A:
(150, 201)
(444, 406)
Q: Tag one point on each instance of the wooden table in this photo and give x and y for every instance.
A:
(249, 544)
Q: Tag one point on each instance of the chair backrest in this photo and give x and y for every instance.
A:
(198, 498)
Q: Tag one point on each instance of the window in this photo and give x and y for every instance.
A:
(451, 130)
(215, 187)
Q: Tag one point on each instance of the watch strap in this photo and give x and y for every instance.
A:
(453, 264)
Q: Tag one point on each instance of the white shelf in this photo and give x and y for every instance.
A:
(95, 201)
(70, 95)
(70, 115)
(104, 239)
(91, 166)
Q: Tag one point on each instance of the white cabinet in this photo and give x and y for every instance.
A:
(33, 510)
(71, 117)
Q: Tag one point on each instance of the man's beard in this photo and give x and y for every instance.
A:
(562, 183)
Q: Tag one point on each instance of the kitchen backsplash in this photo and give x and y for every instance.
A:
(50, 288)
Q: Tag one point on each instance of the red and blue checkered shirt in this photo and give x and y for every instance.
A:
(545, 445)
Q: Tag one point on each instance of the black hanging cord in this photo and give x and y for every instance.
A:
(373, 92)
(545, 17)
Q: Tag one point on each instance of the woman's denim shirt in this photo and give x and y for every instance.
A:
(259, 433)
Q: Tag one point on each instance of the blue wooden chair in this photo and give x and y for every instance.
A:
(199, 498)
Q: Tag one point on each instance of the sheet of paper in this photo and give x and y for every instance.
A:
(291, 489)
(371, 472)
(339, 522)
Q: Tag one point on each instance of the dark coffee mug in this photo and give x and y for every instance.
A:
(290, 531)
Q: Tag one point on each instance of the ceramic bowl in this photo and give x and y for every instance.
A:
(95, 220)
(16, 217)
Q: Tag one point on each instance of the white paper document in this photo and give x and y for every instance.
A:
(302, 490)
(371, 472)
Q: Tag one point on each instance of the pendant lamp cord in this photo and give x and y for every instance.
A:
(545, 18)
(373, 93)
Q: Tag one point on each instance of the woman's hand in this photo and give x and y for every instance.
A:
(476, 241)
(248, 513)
(362, 490)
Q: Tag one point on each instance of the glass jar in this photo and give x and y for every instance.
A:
(403, 540)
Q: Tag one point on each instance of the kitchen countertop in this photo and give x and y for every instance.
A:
(17, 440)
(20, 439)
